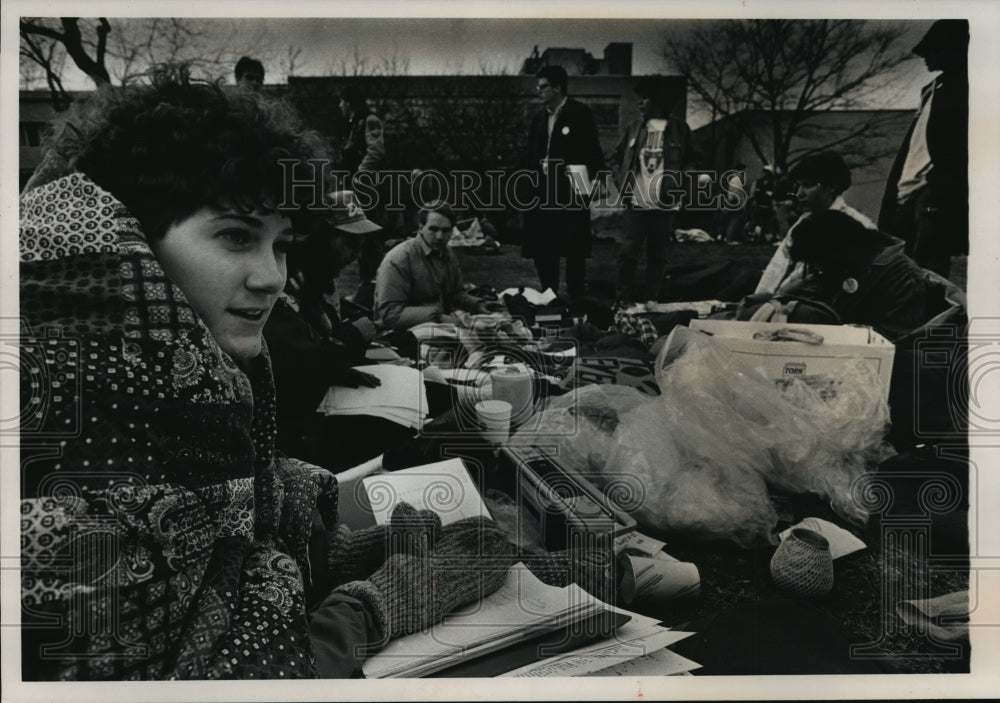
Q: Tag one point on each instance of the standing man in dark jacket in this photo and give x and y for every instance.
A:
(563, 134)
(926, 200)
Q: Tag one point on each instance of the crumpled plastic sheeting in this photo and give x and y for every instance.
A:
(700, 458)
(620, 441)
(800, 439)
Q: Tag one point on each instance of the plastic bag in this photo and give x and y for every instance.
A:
(618, 438)
(799, 436)
(702, 457)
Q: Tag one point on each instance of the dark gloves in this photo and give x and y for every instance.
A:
(410, 593)
(594, 569)
(356, 554)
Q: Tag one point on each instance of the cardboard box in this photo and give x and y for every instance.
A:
(788, 358)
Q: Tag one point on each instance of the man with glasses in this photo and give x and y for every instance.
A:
(819, 183)
(420, 280)
(561, 135)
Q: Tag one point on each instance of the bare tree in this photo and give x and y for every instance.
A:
(783, 74)
(480, 121)
(120, 49)
(42, 59)
(291, 60)
(43, 41)
(357, 63)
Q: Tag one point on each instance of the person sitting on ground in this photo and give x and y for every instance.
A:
(155, 263)
(420, 279)
(820, 181)
(857, 276)
(312, 348)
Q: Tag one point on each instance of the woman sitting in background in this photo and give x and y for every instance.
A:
(864, 278)
(162, 537)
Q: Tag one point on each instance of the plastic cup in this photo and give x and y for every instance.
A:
(494, 419)
(515, 386)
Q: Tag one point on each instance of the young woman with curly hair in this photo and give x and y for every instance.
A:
(162, 536)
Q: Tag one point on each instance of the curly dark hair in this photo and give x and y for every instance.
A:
(170, 147)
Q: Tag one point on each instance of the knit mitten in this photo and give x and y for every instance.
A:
(592, 568)
(410, 593)
(356, 554)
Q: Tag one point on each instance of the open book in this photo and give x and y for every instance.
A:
(444, 487)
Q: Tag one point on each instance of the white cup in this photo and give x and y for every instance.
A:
(494, 418)
(515, 385)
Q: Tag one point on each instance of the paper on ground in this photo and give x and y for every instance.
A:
(662, 662)
(616, 649)
(638, 637)
(702, 307)
(635, 541)
(841, 541)
(401, 398)
(521, 602)
(531, 295)
(381, 354)
(444, 487)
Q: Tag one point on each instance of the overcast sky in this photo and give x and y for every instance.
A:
(469, 45)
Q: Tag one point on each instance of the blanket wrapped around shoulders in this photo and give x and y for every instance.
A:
(160, 536)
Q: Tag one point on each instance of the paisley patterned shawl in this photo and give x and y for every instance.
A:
(160, 539)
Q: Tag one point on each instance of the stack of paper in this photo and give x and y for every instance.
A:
(521, 608)
(637, 648)
(401, 398)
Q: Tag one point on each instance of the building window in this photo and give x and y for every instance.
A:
(31, 133)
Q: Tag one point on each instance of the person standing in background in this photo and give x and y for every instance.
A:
(926, 201)
(562, 134)
(249, 74)
(650, 155)
(363, 151)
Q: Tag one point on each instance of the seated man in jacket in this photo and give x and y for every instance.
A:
(420, 279)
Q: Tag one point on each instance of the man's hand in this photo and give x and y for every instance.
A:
(352, 378)
(488, 307)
